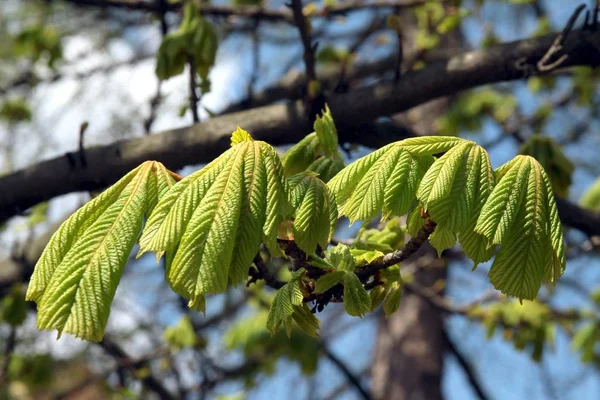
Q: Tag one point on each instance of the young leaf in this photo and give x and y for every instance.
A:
(326, 167)
(357, 301)
(306, 320)
(340, 257)
(77, 275)
(386, 180)
(444, 190)
(392, 300)
(481, 178)
(301, 155)
(315, 219)
(288, 301)
(212, 223)
(442, 239)
(317, 152)
(328, 281)
(521, 215)
(239, 136)
(327, 134)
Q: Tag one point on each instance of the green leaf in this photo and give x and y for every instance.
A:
(326, 167)
(288, 300)
(212, 222)
(442, 239)
(328, 281)
(521, 215)
(414, 221)
(196, 38)
(392, 300)
(356, 299)
(317, 152)
(306, 320)
(327, 134)
(301, 155)
(481, 179)
(340, 257)
(240, 135)
(77, 275)
(377, 295)
(315, 219)
(182, 335)
(386, 180)
(456, 186)
(362, 257)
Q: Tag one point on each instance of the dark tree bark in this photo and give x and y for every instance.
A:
(410, 345)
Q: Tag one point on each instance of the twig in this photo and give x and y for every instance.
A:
(157, 98)
(82, 129)
(466, 366)
(350, 377)
(262, 272)
(193, 88)
(9, 348)
(254, 12)
(544, 64)
(397, 256)
(123, 360)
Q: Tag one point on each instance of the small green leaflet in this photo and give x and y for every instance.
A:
(357, 301)
(288, 306)
(196, 38)
(521, 216)
(329, 280)
(442, 239)
(390, 292)
(212, 222)
(327, 134)
(301, 155)
(317, 152)
(316, 212)
(76, 277)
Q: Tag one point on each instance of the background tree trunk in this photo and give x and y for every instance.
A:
(410, 347)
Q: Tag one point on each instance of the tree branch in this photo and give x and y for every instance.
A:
(252, 12)
(286, 123)
(350, 377)
(398, 256)
(466, 367)
(123, 359)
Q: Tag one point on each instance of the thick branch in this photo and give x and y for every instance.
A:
(252, 12)
(286, 123)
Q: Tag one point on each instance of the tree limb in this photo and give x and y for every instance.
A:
(286, 123)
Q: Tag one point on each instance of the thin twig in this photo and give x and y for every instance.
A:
(544, 64)
(350, 377)
(193, 87)
(466, 366)
(398, 256)
(304, 27)
(9, 348)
